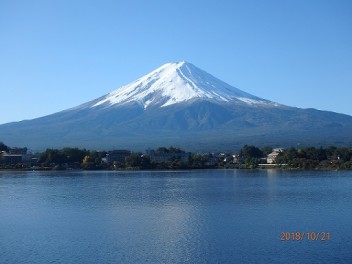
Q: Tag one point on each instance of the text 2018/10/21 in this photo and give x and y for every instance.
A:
(299, 236)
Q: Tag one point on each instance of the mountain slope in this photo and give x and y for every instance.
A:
(179, 104)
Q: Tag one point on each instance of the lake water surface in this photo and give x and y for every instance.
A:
(215, 216)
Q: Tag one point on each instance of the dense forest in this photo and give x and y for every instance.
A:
(317, 158)
(248, 157)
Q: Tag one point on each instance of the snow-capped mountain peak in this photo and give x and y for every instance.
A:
(174, 83)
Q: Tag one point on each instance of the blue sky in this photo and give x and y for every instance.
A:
(58, 54)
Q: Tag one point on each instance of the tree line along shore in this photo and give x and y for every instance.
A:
(162, 158)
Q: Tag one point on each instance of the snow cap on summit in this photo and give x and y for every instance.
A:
(174, 83)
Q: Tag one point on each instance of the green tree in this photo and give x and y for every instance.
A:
(266, 150)
(251, 156)
(250, 152)
(52, 156)
(3, 147)
(93, 160)
(162, 150)
(137, 160)
(74, 155)
(174, 150)
(197, 161)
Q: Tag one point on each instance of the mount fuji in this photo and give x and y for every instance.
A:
(179, 104)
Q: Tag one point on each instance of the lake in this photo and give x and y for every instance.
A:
(205, 216)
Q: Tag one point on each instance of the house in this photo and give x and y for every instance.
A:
(165, 156)
(223, 157)
(14, 156)
(18, 151)
(11, 158)
(236, 159)
(270, 159)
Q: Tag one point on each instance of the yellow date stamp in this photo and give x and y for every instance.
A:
(299, 236)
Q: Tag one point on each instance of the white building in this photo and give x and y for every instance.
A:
(270, 159)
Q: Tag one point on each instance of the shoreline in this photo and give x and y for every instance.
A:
(175, 169)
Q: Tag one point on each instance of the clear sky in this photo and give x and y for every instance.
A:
(58, 54)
